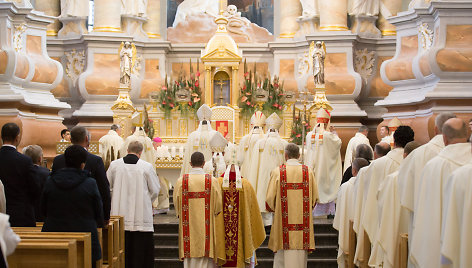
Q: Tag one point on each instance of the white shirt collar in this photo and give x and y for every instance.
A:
(293, 162)
(196, 171)
(9, 145)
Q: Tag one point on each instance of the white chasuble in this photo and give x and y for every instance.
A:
(425, 244)
(324, 157)
(246, 145)
(110, 145)
(358, 139)
(148, 154)
(198, 141)
(456, 239)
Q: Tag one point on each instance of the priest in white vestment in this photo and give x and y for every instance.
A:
(249, 141)
(429, 204)
(216, 165)
(345, 209)
(359, 138)
(323, 155)
(198, 141)
(148, 154)
(380, 169)
(409, 173)
(456, 242)
(393, 219)
(268, 153)
(110, 145)
(134, 186)
(392, 126)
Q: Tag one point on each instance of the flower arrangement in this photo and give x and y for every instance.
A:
(246, 96)
(276, 100)
(297, 129)
(168, 95)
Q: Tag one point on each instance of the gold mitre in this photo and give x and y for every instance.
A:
(274, 121)
(231, 155)
(259, 119)
(204, 113)
(323, 116)
(137, 119)
(394, 124)
(218, 142)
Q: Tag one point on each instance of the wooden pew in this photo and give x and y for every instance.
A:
(110, 253)
(44, 253)
(352, 246)
(83, 240)
(121, 239)
(403, 251)
(99, 263)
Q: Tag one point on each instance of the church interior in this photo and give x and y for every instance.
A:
(154, 63)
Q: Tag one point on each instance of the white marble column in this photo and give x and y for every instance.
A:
(333, 15)
(290, 10)
(50, 8)
(107, 17)
(388, 8)
(153, 25)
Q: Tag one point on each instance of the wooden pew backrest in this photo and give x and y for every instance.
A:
(44, 253)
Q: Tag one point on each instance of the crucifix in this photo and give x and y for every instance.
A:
(221, 83)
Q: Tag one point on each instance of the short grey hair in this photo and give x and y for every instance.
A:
(363, 128)
(409, 147)
(135, 147)
(292, 151)
(452, 133)
(441, 119)
(364, 151)
(359, 163)
(35, 152)
(382, 148)
(115, 127)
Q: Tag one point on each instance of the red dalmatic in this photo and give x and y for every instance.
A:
(231, 221)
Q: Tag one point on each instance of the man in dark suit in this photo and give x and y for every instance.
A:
(18, 178)
(35, 152)
(94, 164)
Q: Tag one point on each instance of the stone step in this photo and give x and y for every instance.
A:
(262, 263)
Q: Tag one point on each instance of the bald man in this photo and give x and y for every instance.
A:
(429, 204)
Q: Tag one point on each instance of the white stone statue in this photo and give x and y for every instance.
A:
(364, 7)
(318, 54)
(127, 58)
(134, 7)
(74, 8)
(310, 8)
(193, 7)
(236, 23)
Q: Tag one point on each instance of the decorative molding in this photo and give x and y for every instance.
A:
(18, 37)
(75, 64)
(364, 62)
(426, 36)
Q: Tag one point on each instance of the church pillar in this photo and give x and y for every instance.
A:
(289, 12)
(208, 89)
(50, 8)
(153, 25)
(388, 8)
(334, 15)
(235, 86)
(107, 16)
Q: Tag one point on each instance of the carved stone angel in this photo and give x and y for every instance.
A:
(127, 61)
(318, 54)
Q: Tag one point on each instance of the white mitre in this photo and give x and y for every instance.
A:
(259, 119)
(232, 158)
(217, 145)
(204, 113)
(274, 122)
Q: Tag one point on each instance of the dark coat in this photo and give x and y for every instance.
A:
(42, 174)
(94, 165)
(71, 203)
(21, 188)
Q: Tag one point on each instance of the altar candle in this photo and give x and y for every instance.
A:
(181, 151)
(173, 151)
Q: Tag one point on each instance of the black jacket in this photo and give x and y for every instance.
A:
(21, 188)
(71, 203)
(94, 165)
(42, 174)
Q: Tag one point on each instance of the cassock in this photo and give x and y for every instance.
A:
(268, 153)
(425, 244)
(358, 139)
(342, 217)
(379, 169)
(198, 204)
(249, 141)
(456, 244)
(291, 195)
(199, 140)
(410, 171)
(110, 145)
(323, 155)
(393, 222)
(134, 186)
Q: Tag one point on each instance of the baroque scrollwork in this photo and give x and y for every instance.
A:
(75, 63)
(18, 37)
(426, 36)
(303, 64)
(364, 62)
